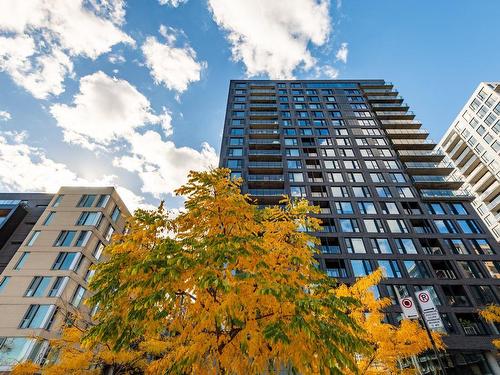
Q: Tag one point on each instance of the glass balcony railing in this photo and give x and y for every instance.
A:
(266, 192)
(385, 98)
(264, 113)
(330, 249)
(264, 141)
(265, 164)
(414, 141)
(390, 122)
(263, 122)
(389, 105)
(264, 131)
(407, 131)
(262, 91)
(263, 105)
(394, 113)
(416, 164)
(420, 153)
(264, 152)
(265, 177)
(430, 179)
(427, 193)
(262, 97)
(376, 91)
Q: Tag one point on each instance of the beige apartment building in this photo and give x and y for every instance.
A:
(472, 145)
(48, 275)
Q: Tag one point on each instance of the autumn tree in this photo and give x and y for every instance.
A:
(226, 287)
(389, 344)
(491, 313)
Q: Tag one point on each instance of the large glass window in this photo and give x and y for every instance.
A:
(66, 261)
(457, 208)
(416, 269)
(381, 246)
(344, 207)
(457, 246)
(65, 238)
(374, 225)
(83, 238)
(49, 218)
(390, 268)
(436, 209)
(37, 286)
(58, 286)
(361, 268)
(38, 316)
(482, 246)
(89, 218)
(469, 226)
(349, 225)
(103, 201)
(405, 246)
(87, 200)
(397, 226)
(355, 245)
(20, 263)
(77, 298)
(33, 238)
(367, 208)
(445, 226)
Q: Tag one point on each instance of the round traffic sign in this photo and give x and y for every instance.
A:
(406, 302)
(424, 297)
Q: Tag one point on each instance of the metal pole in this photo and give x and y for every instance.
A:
(441, 364)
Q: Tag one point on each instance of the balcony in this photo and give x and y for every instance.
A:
(268, 166)
(385, 99)
(264, 132)
(429, 195)
(419, 155)
(259, 92)
(407, 133)
(265, 114)
(266, 177)
(381, 91)
(435, 182)
(263, 124)
(376, 85)
(429, 168)
(329, 249)
(411, 144)
(390, 106)
(395, 115)
(401, 124)
(263, 105)
(263, 98)
(494, 205)
(264, 142)
(259, 154)
(265, 181)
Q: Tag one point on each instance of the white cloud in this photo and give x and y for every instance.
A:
(172, 3)
(325, 72)
(115, 58)
(272, 37)
(161, 165)
(35, 172)
(4, 116)
(174, 67)
(41, 37)
(105, 110)
(342, 53)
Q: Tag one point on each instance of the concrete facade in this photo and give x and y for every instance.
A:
(472, 145)
(47, 276)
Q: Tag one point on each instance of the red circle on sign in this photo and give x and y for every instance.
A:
(406, 303)
(424, 297)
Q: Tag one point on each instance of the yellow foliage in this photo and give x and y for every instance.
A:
(491, 314)
(389, 343)
(26, 368)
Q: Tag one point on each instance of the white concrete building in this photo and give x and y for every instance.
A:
(472, 144)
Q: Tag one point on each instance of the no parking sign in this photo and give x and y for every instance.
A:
(409, 308)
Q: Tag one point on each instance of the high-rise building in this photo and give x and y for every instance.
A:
(46, 278)
(18, 214)
(472, 144)
(355, 150)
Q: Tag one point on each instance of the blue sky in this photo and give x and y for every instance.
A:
(133, 94)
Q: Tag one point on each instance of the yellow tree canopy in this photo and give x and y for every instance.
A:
(491, 314)
(389, 344)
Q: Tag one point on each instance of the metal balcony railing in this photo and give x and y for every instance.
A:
(264, 152)
(265, 177)
(266, 192)
(427, 193)
(265, 164)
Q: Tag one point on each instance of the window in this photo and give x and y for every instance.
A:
(344, 207)
(58, 286)
(57, 201)
(235, 141)
(298, 191)
(405, 246)
(397, 292)
(78, 296)
(361, 191)
(65, 238)
(349, 225)
(83, 238)
(339, 191)
(86, 200)
(296, 177)
(234, 163)
(457, 246)
(38, 316)
(436, 208)
(389, 208)
(351, 164)
(33, 238)
(89, 274)
(116, 214)
(493, 268)
(383, 192)
(235, 152)
(390, 268)
(397, 177)
(355, 177)
(66, 261)
(366, 152)
(367, 208)
(381, 246)
(4, 282)
(457, 208)
(482, 246)
(336, 177)
(470, 269)
(20, 263)
(294, 164)
(355, 245)
(391, 164)
(49, 218)
(397, 226)
(235, 175)
(98, 250)
(377, 177)
(347, 152)
(292, 152)
(469, 226)
(416, 269)
(445, 226)
(483, 294)
(109, 232)
(371, 164)
(405, 192)
(374, 225)
(37, 286)
(102, 201)
(361, 268)
(90, 218)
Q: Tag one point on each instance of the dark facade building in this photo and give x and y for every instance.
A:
(354, 149)
(18, 214)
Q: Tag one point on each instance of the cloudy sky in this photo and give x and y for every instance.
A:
(132, 94)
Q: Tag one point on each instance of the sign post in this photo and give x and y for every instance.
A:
(431, 320)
